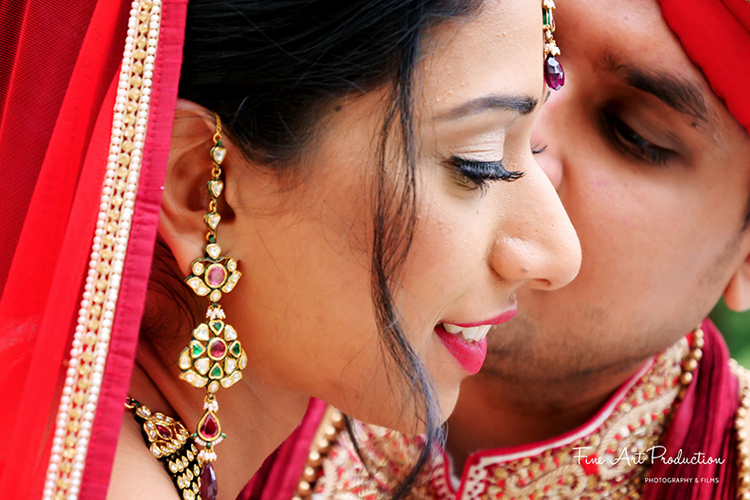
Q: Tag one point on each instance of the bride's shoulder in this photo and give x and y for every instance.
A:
(136, 473)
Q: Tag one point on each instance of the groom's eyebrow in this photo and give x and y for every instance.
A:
(680, 94)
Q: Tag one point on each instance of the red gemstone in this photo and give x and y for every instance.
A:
(553, 73)
(216, 276)
(210, 428)
(209, 488)
(217, 349)
(163, 431)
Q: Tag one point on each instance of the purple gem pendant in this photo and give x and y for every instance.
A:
(209, 488)
(554, 74)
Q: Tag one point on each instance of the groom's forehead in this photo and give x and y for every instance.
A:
(643, 44)
(715, 35)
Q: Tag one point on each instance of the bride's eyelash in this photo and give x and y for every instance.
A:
(537, 148)
(479, 173)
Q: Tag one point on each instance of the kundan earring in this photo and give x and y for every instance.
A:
(553, 70)
(214, 357)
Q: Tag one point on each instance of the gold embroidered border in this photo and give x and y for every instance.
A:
(325, 436)
(635, 424)
(88, 355)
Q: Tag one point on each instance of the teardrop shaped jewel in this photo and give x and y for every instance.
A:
(198, 286)
(209, 428)
(554, 74)
(185, 360)
(209, 487)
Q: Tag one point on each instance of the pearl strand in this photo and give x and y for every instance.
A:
(88, 354)
(742, 426)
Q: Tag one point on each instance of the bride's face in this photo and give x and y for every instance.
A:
(304, 308)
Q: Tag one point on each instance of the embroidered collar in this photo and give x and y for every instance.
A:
(606, 458)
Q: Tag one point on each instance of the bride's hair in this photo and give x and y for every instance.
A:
(273, 69)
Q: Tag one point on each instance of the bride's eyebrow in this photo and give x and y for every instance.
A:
(520, 104)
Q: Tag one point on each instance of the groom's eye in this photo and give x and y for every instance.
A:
(627, 140)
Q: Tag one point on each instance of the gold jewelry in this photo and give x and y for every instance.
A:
(690, 363)
(742, 426)
(171, 443)
(214, 357)
(554, 74)
(325, 438)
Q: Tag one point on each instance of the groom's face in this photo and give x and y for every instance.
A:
(655, 175)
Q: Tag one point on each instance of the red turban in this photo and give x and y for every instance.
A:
(716, 36)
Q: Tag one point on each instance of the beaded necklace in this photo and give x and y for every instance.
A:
(171, 443)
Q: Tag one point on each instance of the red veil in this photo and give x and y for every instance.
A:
(60, 70)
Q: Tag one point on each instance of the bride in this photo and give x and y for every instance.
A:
(348, 202)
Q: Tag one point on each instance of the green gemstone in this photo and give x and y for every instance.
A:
(196, 348)
(546, 17)
(216, 326)
(235, 348)
(216, 372)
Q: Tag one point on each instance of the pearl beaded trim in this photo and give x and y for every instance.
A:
(742, 427)
(88, 354)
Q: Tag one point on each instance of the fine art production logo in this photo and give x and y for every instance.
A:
(649, 456)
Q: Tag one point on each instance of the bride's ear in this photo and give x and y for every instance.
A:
(185, 198)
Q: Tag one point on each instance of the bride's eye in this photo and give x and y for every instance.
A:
(631, 142)
(478, 173)
(538, 148)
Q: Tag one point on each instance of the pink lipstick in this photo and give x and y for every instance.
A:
(470, 355)
(501, 318)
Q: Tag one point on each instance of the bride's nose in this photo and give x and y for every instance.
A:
(538, 247)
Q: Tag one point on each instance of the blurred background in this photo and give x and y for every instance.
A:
(736, 329)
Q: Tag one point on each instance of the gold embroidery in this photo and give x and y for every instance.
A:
(635, 424)
(328, 431)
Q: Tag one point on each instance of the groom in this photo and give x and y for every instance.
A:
(595, 390)
(651, 158)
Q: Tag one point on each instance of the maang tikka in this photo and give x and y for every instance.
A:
(554, 74)
(214, 357)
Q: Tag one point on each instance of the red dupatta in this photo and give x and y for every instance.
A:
(59, 71)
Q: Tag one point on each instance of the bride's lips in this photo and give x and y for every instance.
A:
(470, 355)
(467, 342)
(501, 318)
